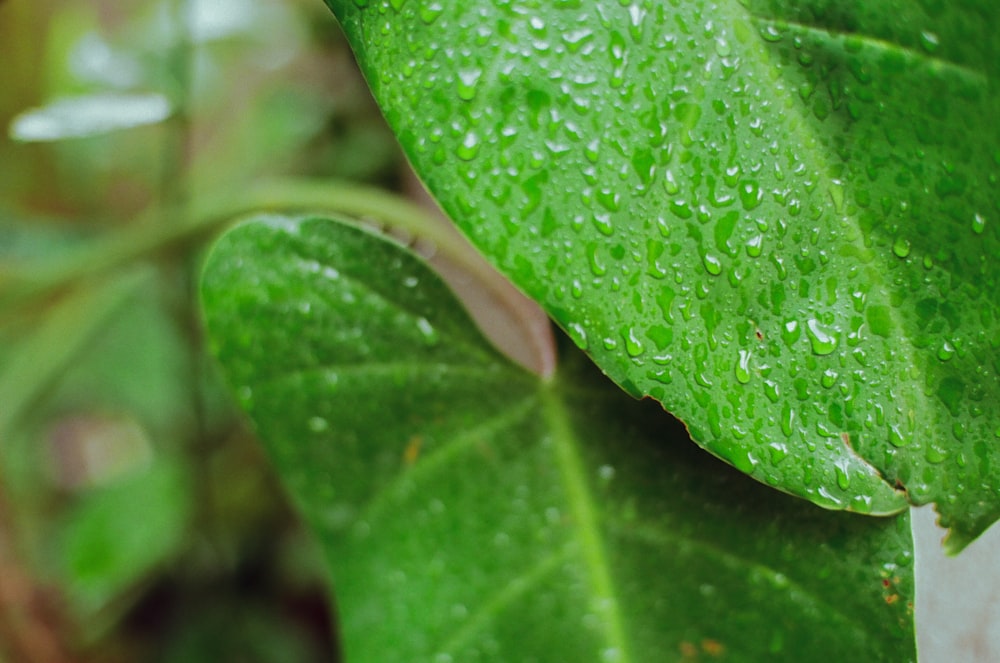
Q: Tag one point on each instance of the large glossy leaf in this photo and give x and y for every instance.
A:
(778, 218)
(471, 511)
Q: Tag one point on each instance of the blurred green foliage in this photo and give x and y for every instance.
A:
(138, 518)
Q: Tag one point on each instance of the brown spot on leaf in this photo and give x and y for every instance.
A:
(712, 647)
(412, 451)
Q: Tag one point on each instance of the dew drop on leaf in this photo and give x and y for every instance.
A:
(790, 332)
(429, 11)
(829, 378)
(743, 367)
(843, 476)
(896, 437)
(750, 194)
(633, 346)
(901, 247)
(978, 224)
(787, 419)
(822, 338)
(772, 391)
(577, 332)
(929, 41)
(946, 351)
(712, 264)
(427, 331)
(469, 148)
(777, 451)
(467, 81)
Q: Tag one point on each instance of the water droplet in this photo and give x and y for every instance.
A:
(843, 476)
(743, 367)
(467, 81)
(755, 245)
(787, 419)
(823, 339)
(469, 148)
(837, 196)
(427, 330)
(632, 344)
(750, 194)
(772, 391)
(901, 247)
(946, 351)
(771, 33)
(777, 451)
(597, 266)
(712, 264)
(896, 437)
(978, 224)
(790, 332)
(578, 334)
(929, 41)
(429, 11)
(670, 183)
(603, 224)
(935, 454)
(829, 378)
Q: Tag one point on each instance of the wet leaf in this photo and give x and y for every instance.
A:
(471, 511)
(780, 219)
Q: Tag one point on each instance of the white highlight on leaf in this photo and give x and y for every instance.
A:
(89, 115)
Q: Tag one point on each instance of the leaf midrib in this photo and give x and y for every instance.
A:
(585, 521)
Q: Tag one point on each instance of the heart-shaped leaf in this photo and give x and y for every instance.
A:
(471, 511)
(781, 219)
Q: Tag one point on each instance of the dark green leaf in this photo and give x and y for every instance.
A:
(780, 219)
(470, 511)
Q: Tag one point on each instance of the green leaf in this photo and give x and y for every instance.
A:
(470, 511)
(780, 219)
(117, 534)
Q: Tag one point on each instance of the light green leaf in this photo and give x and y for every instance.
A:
(89, 115)
(470, 511)
(780, 219)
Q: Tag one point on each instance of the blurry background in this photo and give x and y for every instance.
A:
(138, 518)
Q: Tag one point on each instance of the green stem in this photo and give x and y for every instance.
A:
(28, 283)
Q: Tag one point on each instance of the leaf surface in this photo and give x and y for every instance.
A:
(780, 219)
(471, 511)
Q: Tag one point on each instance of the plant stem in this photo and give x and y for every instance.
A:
(22, 284)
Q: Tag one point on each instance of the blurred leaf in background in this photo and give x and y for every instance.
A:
(135, 508)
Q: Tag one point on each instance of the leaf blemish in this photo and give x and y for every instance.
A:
(412, 451)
